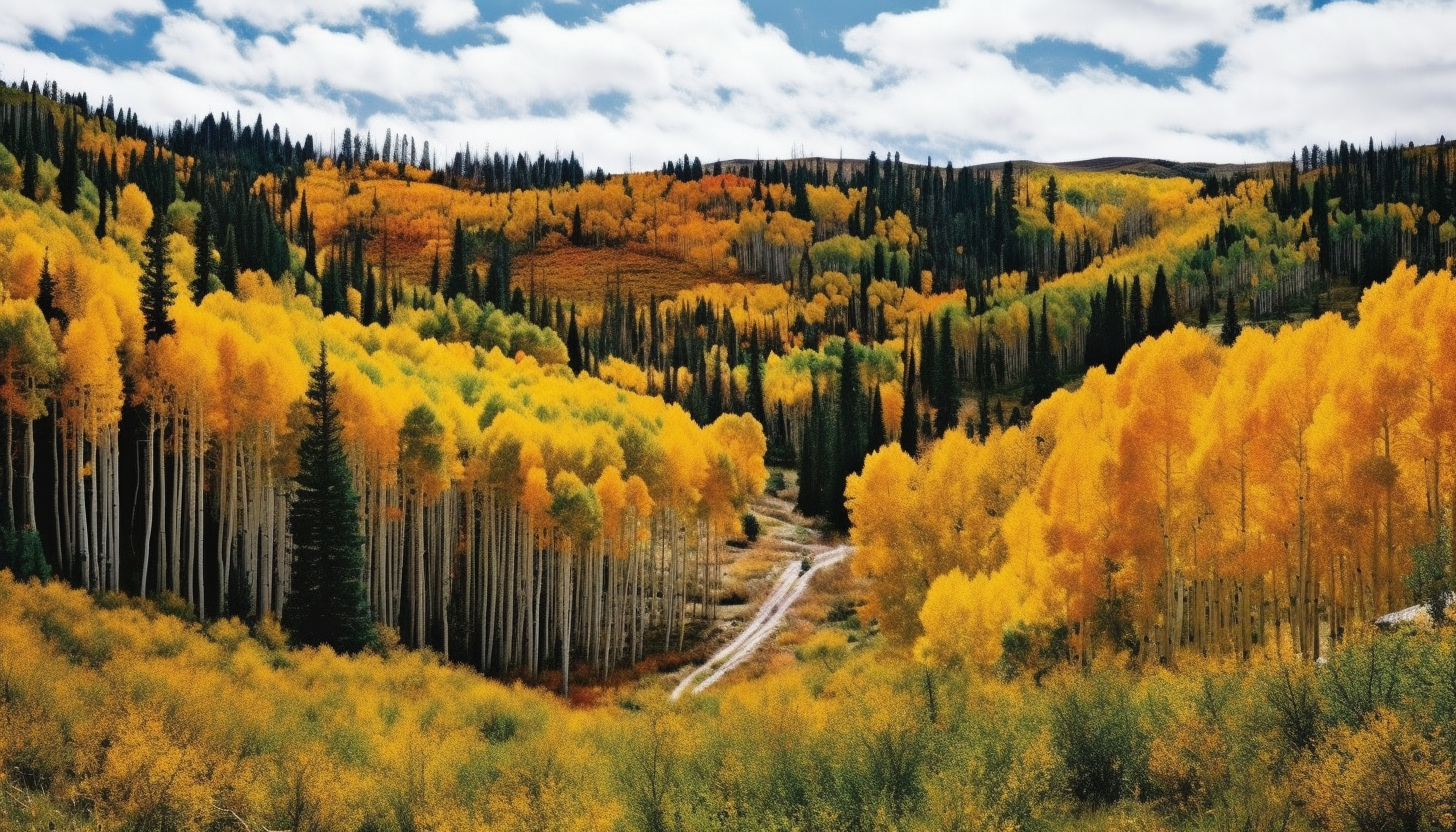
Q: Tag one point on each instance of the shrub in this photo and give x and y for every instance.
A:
(1383, 776)
(1095, 731)
(750, 527)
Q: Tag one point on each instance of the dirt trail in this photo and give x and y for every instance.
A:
(793, 579)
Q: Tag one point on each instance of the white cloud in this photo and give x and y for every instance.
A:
(57, 18)
(705, 78)
(432, 16)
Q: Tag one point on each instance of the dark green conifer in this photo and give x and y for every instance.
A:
(156, 285)
(1160, 311)
(202, 240)
(327, 603)
(227, 273)
(909, 418)
(1231, 326)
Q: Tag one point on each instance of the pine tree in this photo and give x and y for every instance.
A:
(327, 604)
(755, 378)
(573, 346)
(45, 297)
(1137, 313)
(849, 436)
(101, 217)
(30, 178)
(456, 280)
(202, 239)
(876, 430)
(1231, 325)
(1160, 311)
(158, 294)
(227, 273)
(68, 180)
(947, 397)
(909, 418)
(811, 457)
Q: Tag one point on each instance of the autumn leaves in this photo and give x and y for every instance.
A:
(1259, 498)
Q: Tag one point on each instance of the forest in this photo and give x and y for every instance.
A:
(1130, 465)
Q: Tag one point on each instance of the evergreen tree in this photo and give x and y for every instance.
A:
(331, 292)
(101, 213)
(327, 603)
(158, 293)
(755, 378)
(456, 280)
(573, 346)
(227, 273)
(1114, 310)
(68, 180)
(876, 428)
(811, 456)
(202, 239)
(45, 297)
(1137, 313)
(947, 397)
(498, 276)
(1231, 326)
(1044, 373)
(850, 436)
(1160, 311)
(909, 418)
(1052, 195)
(30, 178)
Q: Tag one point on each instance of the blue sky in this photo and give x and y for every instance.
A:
(633, 82)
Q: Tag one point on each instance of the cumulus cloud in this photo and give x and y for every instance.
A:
(654, 79)
(57, 18)
(432, 16)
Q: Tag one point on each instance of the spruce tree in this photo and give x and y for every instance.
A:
(327, 603)
(101, 214)
(1160, 311)
(202, 240)
(30, 178)
(909, 418)
(850, 436)
(946, 396)
(45, 296)
(456, 280)
(755, 379)
(158, 293)
(68, 180)
(876, 429)
(1231, 325)
(1137, 313)
(227, 273)
(573, 346)
(811, 459)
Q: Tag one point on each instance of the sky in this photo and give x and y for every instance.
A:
(628, 84)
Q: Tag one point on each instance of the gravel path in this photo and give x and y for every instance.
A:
(791, 584)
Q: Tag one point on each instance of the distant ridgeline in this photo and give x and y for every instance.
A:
(493, 484)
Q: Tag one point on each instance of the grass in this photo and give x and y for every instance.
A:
(587, 274)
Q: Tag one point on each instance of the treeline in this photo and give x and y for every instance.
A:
(1370, 208)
